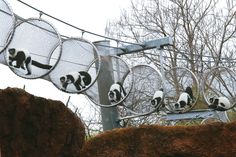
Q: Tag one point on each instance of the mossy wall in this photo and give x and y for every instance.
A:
(32, 126)
(211, 140)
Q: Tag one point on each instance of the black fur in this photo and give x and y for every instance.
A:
(20, 58)
(86, 78)
(155, 101)
(213, 103)
(40, 65)
(71, 78)
(23, 61)
(64, 85)
(122, 88)
(183, 103)
(78, 85)
(83, 80)
(190, 99)
(116, 95)
(189, 91)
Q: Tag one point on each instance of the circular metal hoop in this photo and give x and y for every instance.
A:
(7, 24)
(220, 82)
(31, 47)
(210, 120)
(78, 67)
(147, 81)
(111, 79)
(178, 79)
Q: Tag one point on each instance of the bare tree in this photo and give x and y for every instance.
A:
(90, 115)
(203, 32)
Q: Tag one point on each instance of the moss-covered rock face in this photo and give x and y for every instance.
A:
(32, 126)
(211, 140)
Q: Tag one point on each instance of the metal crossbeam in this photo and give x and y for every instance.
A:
(197, 114)
(190, 115)
(157, 43)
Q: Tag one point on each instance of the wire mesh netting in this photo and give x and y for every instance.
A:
(29, 52)
(7, 23)
(220, 88)
(112, 86)
(182, 89)
(78, 67)
(147, 81)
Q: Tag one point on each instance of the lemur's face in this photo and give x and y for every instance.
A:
(211, 100)
(156, 101)
(115, 93)
(213, 103)
(177, 106)
(64, 80)
(12, 51)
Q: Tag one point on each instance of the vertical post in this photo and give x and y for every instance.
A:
(160, 49)
(162, 62)
(105, 80)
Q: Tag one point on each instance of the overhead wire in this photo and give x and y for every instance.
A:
(75, 27)
(95, 34)
(185, 54)
(3, 11)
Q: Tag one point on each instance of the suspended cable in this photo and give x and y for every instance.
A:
(199, 55)
(63, 36)
(85, 31)
(80, 29)
(5, 12)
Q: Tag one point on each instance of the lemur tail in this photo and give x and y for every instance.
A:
(189, 91)
(40, 65)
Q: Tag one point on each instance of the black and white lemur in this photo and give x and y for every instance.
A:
(116, 92)
(157, 98)
(185, 99)
(220, 103)
(79, 79)
(22, 59)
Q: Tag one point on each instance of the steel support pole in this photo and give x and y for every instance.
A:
(105, 80)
